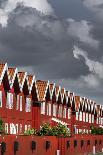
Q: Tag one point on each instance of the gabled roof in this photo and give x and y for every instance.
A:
(3, 69)
(57, 90)
(77, 102)
(52, 87)
(42, 87)
(62, 93)
(30, 81)
(22, 78)
(12, 72)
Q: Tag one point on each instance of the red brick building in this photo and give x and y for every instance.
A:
(26, 102)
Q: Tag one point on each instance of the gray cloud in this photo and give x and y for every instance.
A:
(43, 44)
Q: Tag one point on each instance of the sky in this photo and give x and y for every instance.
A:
(57, 40)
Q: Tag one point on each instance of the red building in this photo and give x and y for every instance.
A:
(26, 102)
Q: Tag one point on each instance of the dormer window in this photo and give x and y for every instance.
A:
(9, 103)
(0, 98)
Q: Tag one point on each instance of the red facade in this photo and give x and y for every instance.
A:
(26, 102)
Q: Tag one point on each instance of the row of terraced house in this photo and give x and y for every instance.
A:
(26, 103)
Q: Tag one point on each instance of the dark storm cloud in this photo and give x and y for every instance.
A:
(43, 44)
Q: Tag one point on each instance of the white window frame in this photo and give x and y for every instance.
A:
(69, 113)
(80, 116)
(86, 117)
(1, 98)
(77, 114)
(20, 128)
(12, 128)
(92, 118)
(28, 104)
(17, 103)
(6, 128)
(17, 126)
(54, 110)
(43, 108)
(60, 111)
(64, 112)
(21, 103)
(9, 103)
(89, 118)
(83, 116)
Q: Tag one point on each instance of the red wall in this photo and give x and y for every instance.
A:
(56, 143)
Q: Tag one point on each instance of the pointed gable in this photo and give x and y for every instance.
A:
(30, 81)
(3, 69)
(12, 72)
(42, 89)
(22, 78)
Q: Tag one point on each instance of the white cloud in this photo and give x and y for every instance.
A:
(8, 7)
(96, 68)
(82, 31)
(90, 81)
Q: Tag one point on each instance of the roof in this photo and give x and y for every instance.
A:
(3, 68)
(22, 78)
(42, 88)
(11, 75)
(30, 81)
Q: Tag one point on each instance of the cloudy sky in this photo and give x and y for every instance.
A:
(57, 40)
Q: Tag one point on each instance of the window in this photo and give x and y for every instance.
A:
(69, 113)
(21, 100)
(83, 116)
(49, 109)
(89, 118)
(80, 116)
(86, 117)
(26, 127)
(77, 115)
(97, 121)
(64, 112)
(60, 111)
(17, 105)
(54, 110)
(43, 108)
(28, 105)
(0, 98)
(20, 130)
(16, 126)
(9, 103)
(12, 128)
(92, 118)
(6, 127)
(29, 127)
